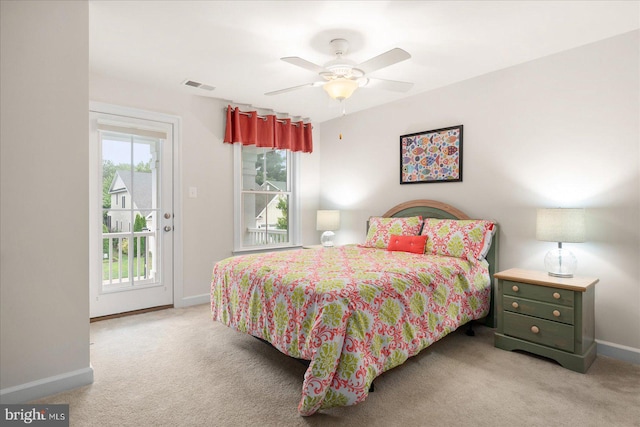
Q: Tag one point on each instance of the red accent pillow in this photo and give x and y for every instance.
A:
(413, 244)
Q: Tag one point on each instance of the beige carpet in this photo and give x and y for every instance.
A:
(178, 368)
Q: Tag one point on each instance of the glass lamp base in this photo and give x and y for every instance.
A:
(560, 263)
(327, 238)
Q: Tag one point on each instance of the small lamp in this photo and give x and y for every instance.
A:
(327, 221)
(561, 225)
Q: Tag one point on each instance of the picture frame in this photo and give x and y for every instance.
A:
(431, 156)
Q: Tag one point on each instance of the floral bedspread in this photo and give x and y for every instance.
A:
(352, 312)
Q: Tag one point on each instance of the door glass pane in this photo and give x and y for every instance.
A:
(129, 199)
(145, 204)
(144, 176)
(115, 266)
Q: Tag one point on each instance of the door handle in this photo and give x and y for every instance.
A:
(168, 228)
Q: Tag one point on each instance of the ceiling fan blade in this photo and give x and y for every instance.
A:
(289, 89)
(390, 57)
(295, 60)
(392, 85)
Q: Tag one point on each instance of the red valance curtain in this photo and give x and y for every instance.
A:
(268, 131)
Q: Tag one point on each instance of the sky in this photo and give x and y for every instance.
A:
(120, 151)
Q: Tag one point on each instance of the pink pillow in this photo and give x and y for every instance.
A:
(413, 244)
(381, 229)
(466, 239)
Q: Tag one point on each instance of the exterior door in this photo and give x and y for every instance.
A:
(132, 215)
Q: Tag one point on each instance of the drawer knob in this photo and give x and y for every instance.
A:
(556, 295)
(515, 304)
(535, 329)
(556, 313)
(515, 288)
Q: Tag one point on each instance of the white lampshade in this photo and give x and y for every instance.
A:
(327, 221)
(561, 225)
(340, 88)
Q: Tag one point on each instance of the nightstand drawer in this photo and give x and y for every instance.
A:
(539, 293)
(545, 332)
(555, 312)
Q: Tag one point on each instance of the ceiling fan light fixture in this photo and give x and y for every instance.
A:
(340, 88)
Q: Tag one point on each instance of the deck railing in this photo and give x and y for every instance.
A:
(121, 264)
(266, 236)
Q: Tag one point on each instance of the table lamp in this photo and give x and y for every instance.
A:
(327, 221)
(563, 226)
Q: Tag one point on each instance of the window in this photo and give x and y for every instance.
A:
(266, 200)
(124, 205)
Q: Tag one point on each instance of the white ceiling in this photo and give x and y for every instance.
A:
(235, 46)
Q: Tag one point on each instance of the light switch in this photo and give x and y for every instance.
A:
(193, 192)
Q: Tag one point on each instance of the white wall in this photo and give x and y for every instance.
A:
(559, 131)
(207, 163)
(44, 310)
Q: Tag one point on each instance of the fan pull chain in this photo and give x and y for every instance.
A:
(344, 112)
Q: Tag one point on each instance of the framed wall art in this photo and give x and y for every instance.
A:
(431, 156)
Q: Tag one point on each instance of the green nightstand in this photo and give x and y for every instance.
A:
(548, 316)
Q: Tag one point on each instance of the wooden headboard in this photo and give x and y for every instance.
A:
(435, 209)
(426, 208)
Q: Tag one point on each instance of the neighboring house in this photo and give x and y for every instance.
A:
(129, 192)
(271, 213)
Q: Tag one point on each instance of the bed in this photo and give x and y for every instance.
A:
(357, 311)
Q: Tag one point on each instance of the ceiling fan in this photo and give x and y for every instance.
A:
(341, 77)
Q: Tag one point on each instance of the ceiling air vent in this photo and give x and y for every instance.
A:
(198, 85)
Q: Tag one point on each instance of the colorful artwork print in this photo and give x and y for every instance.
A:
(431, 156)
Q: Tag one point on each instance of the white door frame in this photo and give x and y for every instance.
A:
(176, 122)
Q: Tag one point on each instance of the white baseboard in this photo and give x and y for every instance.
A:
(194, 300)
(620, 352)
(38, 389)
